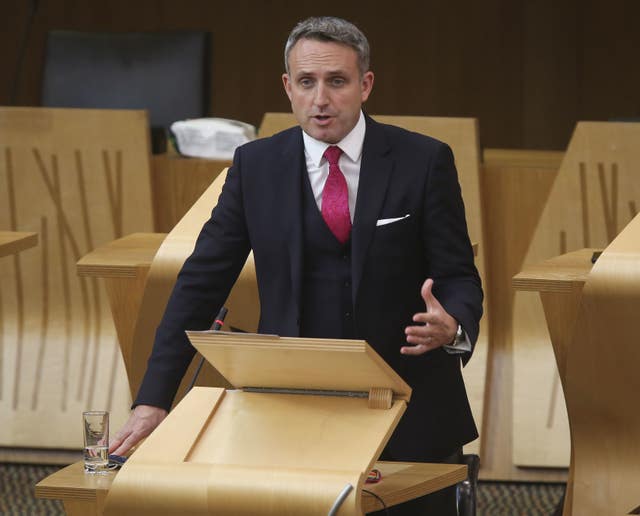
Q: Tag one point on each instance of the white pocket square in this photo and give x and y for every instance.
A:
(384, 222)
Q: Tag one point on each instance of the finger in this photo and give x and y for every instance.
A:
(122, 449)
(420, 338)
(114, 445)
(426, 318)
(430, 300)
(426, 293)
(417, 332)
(419, 349)
(427, 324)
(127, 444)
(117, 440)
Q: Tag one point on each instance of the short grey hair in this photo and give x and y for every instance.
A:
(329, 28)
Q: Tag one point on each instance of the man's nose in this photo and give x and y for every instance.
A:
(322, 95)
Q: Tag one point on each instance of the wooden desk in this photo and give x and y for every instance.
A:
(124, 265)
(559, 281)
(12, 242)
(126, 257)
(85, 495)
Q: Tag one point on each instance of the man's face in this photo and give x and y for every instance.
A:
(325, 88)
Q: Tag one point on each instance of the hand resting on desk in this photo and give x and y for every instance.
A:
(143, 420)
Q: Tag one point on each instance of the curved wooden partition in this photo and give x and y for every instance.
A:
(243, 303)
(602, 383)
(79, 178)
(462, 136)
(594, 196)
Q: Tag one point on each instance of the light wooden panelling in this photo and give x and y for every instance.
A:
(78, 178)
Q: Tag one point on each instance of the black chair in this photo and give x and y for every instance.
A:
(167, 73)
(467, 489)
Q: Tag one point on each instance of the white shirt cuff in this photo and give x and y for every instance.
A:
(462, 347)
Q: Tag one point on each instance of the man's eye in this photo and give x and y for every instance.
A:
(337, 81)
(306, 83)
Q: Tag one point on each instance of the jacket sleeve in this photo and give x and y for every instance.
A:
(201, 288)
(449, 253)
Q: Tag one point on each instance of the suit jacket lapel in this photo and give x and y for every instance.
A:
(290, 199)
(375, 171)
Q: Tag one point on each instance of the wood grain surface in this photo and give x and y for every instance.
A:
(78, 178)
(12, 242)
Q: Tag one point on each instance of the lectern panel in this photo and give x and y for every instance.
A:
(294, 431)
(251, 360)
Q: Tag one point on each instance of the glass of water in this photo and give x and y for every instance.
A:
(96, 441)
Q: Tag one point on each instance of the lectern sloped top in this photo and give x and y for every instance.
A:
(270, 361)
(304, 425)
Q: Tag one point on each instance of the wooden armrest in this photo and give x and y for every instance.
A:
(123, 257)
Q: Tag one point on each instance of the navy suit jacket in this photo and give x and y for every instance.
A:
(260, 208)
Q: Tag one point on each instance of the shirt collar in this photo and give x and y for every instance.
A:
(351, 144)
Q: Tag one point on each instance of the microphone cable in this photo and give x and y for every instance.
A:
(384, 505)
(217, 324)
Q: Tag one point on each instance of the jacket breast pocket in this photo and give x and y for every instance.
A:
(394, 239)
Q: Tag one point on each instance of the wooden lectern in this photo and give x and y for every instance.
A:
(298, 434)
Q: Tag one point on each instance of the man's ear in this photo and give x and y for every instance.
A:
(366, 84)
(286, 82)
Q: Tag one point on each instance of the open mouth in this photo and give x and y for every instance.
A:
(322, 118)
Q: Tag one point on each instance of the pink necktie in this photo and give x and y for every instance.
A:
(335, 198)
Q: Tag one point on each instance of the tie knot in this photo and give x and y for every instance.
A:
(333, 154)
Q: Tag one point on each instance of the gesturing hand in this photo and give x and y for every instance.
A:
(438, 328)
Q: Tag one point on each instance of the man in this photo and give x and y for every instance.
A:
(358, 231)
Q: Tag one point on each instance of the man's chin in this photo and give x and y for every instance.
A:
(323, 134)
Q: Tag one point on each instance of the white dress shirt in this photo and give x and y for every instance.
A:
(349, 162)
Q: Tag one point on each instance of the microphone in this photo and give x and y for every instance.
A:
(217, 324)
